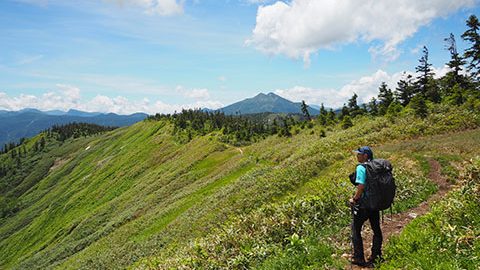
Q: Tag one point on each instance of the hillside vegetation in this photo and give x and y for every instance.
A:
(110, 200)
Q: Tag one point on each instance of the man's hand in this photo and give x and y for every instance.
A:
(352, 202)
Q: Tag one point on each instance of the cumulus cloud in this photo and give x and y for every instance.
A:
(301, 27)
(156, 7)
(365, 87)
(63, 98)
(67, 97)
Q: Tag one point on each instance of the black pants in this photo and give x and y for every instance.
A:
(360, 215)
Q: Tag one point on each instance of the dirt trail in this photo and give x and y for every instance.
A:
(394, 224)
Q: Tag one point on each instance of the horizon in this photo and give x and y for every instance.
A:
(312, 106)
(158, 56)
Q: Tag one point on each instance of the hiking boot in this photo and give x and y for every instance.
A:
(359, 262)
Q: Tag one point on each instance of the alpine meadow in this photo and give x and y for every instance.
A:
(205, 188)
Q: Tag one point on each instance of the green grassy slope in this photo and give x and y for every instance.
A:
(446, 238)
(136, 195)
(306, 229)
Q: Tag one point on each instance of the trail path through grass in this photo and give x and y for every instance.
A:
(394, 224)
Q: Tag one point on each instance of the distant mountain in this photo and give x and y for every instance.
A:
(29, 122)
(266, 103)
(73, 112)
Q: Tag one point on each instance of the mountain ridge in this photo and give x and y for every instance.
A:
(262, 103)
(28, 122)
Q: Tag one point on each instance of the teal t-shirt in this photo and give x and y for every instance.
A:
(361, 175)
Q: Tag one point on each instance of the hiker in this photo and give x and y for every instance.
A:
(361, 212)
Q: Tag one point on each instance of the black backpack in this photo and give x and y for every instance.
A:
(380, 185)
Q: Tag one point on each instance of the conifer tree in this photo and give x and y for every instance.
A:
(305, 111)
(405, 90)
(373, 106)
(345, 112)
(323, 116)
(385, 98)
(286, 128)
(473, 53)
(424, 70)
(456, 62)
(419, 106)
(331, 116)
(353, 107)
(346, 122)
(425, 84)
(274, 128)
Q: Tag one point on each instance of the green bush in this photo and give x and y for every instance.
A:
(445, 238)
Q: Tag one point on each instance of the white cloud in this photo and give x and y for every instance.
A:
(442, 71)
(156, 7)
(365, 87)
(417, 49)
(301, 27)
(71, 92)
(67, 97)
(196, 93)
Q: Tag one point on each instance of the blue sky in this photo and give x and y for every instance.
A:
(162, 55)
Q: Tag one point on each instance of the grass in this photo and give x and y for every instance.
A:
(445, 238)
(137, 197)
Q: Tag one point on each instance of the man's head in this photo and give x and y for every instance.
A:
(364, 154)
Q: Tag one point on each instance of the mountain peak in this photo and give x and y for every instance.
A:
(261, 103)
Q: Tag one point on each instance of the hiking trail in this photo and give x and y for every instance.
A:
(393, 224)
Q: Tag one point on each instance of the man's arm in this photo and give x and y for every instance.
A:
(358, 193)
(361, 174)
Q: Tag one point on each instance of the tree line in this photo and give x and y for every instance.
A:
(459, 86)
(76, 130)
(18, 151)
(234, 129)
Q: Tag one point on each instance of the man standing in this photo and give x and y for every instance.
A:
(361, 213)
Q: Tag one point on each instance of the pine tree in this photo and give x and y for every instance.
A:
(373, 106)
(346, 122)
(405, 90)
(274, 128)
(473, 53)
(345, 112)
(425, 72)
(42, 143)
(456, 62)
(286, 128)
(433, 91)
(305, 111)
(353, 107)
(331, 116)
(385, 98)
(419, 106)
(323, 116)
